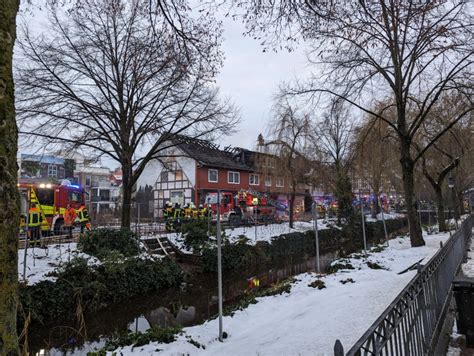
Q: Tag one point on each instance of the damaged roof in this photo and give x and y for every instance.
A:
(210, 154)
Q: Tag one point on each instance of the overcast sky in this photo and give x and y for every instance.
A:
(249, 77)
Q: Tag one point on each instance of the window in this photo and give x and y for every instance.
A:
(212, 175)
(52, 171)
(233, 177)
(178, 175)
(268, 181)
(88, 181)
(254, 179)
(164, 176)
(269, 162)
(75, 197)
(280, 182)
(45, 196)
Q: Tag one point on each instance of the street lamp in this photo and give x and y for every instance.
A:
(219, 262)
(315, 222)
(453, 196)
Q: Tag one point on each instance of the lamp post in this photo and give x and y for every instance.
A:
(363, 224)
(453, 196)
(315, 225)
(383, 220)
(219, 262)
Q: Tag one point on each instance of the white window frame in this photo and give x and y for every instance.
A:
(52, 170)
(254, 175)
(228, 177)
(209, 175)
(278, 181)
(268, 181)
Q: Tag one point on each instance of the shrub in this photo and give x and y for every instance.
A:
(101, 242)
(135, 339)
(195, 234)
(96, 287)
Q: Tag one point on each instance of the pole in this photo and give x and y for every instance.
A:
(315, 225)
(27, 222)
(219, 262)
(363, 224)
(209, 214)
(383, 220)
(255, 221)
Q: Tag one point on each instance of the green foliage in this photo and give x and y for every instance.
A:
(317, 284)
(291, 247)
(374, 265)
(278, 288)
(195, 234)
(338, 266)
(102, 242)
(135, 339)
(96, 287)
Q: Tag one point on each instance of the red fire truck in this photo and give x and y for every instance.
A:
(243, 206)
(46, 203)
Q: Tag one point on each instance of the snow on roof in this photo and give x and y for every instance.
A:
(42, 159)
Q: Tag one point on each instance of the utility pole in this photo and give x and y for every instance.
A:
(219, 262)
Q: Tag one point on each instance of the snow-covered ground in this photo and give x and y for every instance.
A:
(308, 321)
(40, 262)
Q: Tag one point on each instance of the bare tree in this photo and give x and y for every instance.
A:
(289, 133)
(445, 155)
(113, 78)
(409, 52)
(373, 146)
(332, 140)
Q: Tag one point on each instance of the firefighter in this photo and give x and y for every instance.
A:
(34, 224)
(70, 216)
(188, 211)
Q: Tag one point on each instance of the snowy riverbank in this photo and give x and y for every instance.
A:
(307, 321)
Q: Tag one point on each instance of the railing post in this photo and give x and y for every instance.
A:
(338, 348)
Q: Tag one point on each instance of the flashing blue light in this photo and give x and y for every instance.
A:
(74, 186)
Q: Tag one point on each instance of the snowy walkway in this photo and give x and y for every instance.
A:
(308, 321)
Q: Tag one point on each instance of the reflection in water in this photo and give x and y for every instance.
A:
(192, 305)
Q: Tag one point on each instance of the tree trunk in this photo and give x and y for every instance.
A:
(455, 202)
(9, 199)
(127, 186)
(292, 204)
(376, 209)
(440, 205)
(416, 234)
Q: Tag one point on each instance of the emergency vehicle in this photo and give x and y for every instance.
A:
(246, 205)
(46, 203)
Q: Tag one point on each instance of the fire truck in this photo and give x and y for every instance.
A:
(245, 206)
(45, 204)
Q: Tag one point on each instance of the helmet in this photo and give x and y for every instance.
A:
(200, 206)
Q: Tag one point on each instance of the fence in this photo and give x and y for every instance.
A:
(412, 322)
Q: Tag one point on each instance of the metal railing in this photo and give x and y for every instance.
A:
(411, 324)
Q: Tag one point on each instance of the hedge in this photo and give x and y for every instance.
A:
(95, 287)
(293, 246)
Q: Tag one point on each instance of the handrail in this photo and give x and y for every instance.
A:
(410, 325)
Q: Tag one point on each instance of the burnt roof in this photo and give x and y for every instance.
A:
(210, 154)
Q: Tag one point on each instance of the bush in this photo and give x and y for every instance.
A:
(96, 287)
(291, 247)
(135, 339)
(101, 242)
(195, 234)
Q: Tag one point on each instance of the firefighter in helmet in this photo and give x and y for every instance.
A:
(34, 224)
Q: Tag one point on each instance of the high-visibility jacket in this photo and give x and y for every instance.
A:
(34, 218)
(70, 216)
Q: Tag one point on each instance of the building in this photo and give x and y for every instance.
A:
(102, 190)
(45, 167)
(196, 168)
